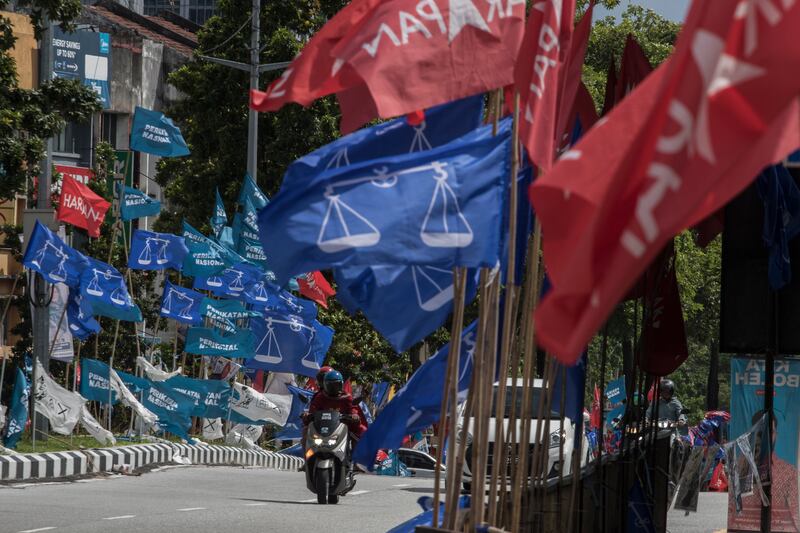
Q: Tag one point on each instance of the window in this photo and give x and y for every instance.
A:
(108, 131)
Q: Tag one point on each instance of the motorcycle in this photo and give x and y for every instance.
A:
(329, 469)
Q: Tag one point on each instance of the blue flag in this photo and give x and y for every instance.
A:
(137, 204)
(82, 323)
(207, 341)
(253, 251)
(416, 406)
(154, 133)
(441, 207)
(18, 412)
(47, 254)
(269, 297)
(231, 281)
(288, 343)
(219, 218)
(181, 304)
(205, 257)
(781, 198)
(156, 251)
(210, 396)
(94, 381)
(103, 287)
(173, 408)
(250, 191)
(442, 124)
(226, 310)
(293, 429)
(575, 379)
(405, 304)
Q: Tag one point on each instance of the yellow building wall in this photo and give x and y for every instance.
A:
(25, 51)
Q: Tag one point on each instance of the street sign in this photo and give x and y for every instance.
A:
(85, 56)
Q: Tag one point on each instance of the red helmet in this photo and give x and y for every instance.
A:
(321, 374)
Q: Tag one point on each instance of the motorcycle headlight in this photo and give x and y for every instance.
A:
(317, 441)
(331, 442)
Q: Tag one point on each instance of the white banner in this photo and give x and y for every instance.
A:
(129, 400)
(244, 435)
(91, 425)
(60, 406)
(277, 383)
(59, 327)
(2, 418)
(212, 428)
(260, 407)
(154, 373)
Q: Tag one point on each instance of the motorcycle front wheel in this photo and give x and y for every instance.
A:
(322, 485)
(333, 498)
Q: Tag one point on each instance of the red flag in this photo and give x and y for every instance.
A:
(81, 207)
(708, 229)
(691, 137)
(408, 54)
(315, 287)
(664, 346)
(572, 75)
(634, 69)
(539, 74)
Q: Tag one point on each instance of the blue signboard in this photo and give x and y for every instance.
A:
(85, 56)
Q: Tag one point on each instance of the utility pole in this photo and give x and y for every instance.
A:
(254, 69)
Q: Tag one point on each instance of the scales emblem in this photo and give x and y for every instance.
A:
(50, 253)
(269, 349)
(119, 295)
(160, 245)
(182, 302)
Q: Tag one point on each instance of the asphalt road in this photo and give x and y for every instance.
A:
(225, 499)
(206, 499)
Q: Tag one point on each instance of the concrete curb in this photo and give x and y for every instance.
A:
(55, 465)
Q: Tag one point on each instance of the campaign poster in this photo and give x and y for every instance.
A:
(747, 403)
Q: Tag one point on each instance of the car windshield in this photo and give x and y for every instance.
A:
(536, 394)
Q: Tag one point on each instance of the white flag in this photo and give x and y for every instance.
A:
(244, 435)
(60, 336)
(154, 373)
(277, 383)
(260, 407)
(212, 428)
(100, 434)
(129, 400)
(2, 417)
(60, 406)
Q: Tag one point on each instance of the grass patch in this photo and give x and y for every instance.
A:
(60, 443)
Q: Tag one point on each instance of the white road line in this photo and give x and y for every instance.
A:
(259, 504)
(308, 501)
(402, 485)
(120, 517)
(357, 492)
(39, 529)
(191, 509)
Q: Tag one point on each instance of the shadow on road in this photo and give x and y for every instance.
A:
(259, 500)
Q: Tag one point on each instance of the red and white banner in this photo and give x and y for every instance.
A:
(81, 207)
(687, 140)
(315, 287)
(79, 174)
(407, 54)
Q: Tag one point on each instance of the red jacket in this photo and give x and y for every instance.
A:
(343, 404)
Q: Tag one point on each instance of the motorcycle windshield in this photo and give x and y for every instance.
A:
(326, 422)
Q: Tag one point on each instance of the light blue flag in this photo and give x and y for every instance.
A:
(442, 124)
(156, 251)
(137, 204)
(293, 429)
(231, 281)
(225, 237)
(226, 311)
(18, 412)
(210, 396)
(94, 381)
(173, 408)
(206, 257)
(441, 207)
(80, 317)
(155, 133)
(47, 254)
(253, 251)
(219, 218)
(181, 304)
(103, 287)
(207, 341)
(405, 304)
(288, 343)
(416, 406)
(250, 191)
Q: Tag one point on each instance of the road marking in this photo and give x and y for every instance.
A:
(357, 492)
(402, 485)
(259, 504)
(40, 529)
(120, 517)
(191, 509)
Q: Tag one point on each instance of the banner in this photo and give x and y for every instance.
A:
(181, 304)
(137, 204)
(104, 288)
(154, 133)
(747, 404)
(47, 254)
(60, 406)
(206, 341)
(60, 337)
(81, 206)
(18, 411)
(210, 396)
(255, 406)
(156, 251)
(287, 343)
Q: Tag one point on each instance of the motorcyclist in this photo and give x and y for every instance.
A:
(333, 397)
(669, 407)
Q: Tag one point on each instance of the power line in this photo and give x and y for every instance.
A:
(234, 34)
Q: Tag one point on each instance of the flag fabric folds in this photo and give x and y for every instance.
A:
(181, 304)
(18, 411)
(47, 254)
(103, 287)
(93, 427)
(248, 406)
(288, 343)
(81, 206)
(781, 198)
(314, 286)
(155, 133)
(156, 251)
(173, 409)
(230, 281)
(79, 317)
(416, 406)
(682, 144)
(442, 206)
(137, 204)
(210, 396)
(219, 218)
(206, 341)
(212, 429)
(205, 257)
(231, 310)
(267, 296)
(293, 428)
(154, 373)
(60, 338)
(250, 191)
(60, 406)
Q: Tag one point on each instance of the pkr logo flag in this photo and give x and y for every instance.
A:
(156, 251)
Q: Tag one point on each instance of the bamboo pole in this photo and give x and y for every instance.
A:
(480, 408)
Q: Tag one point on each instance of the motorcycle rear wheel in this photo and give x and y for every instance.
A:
(322, 485)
